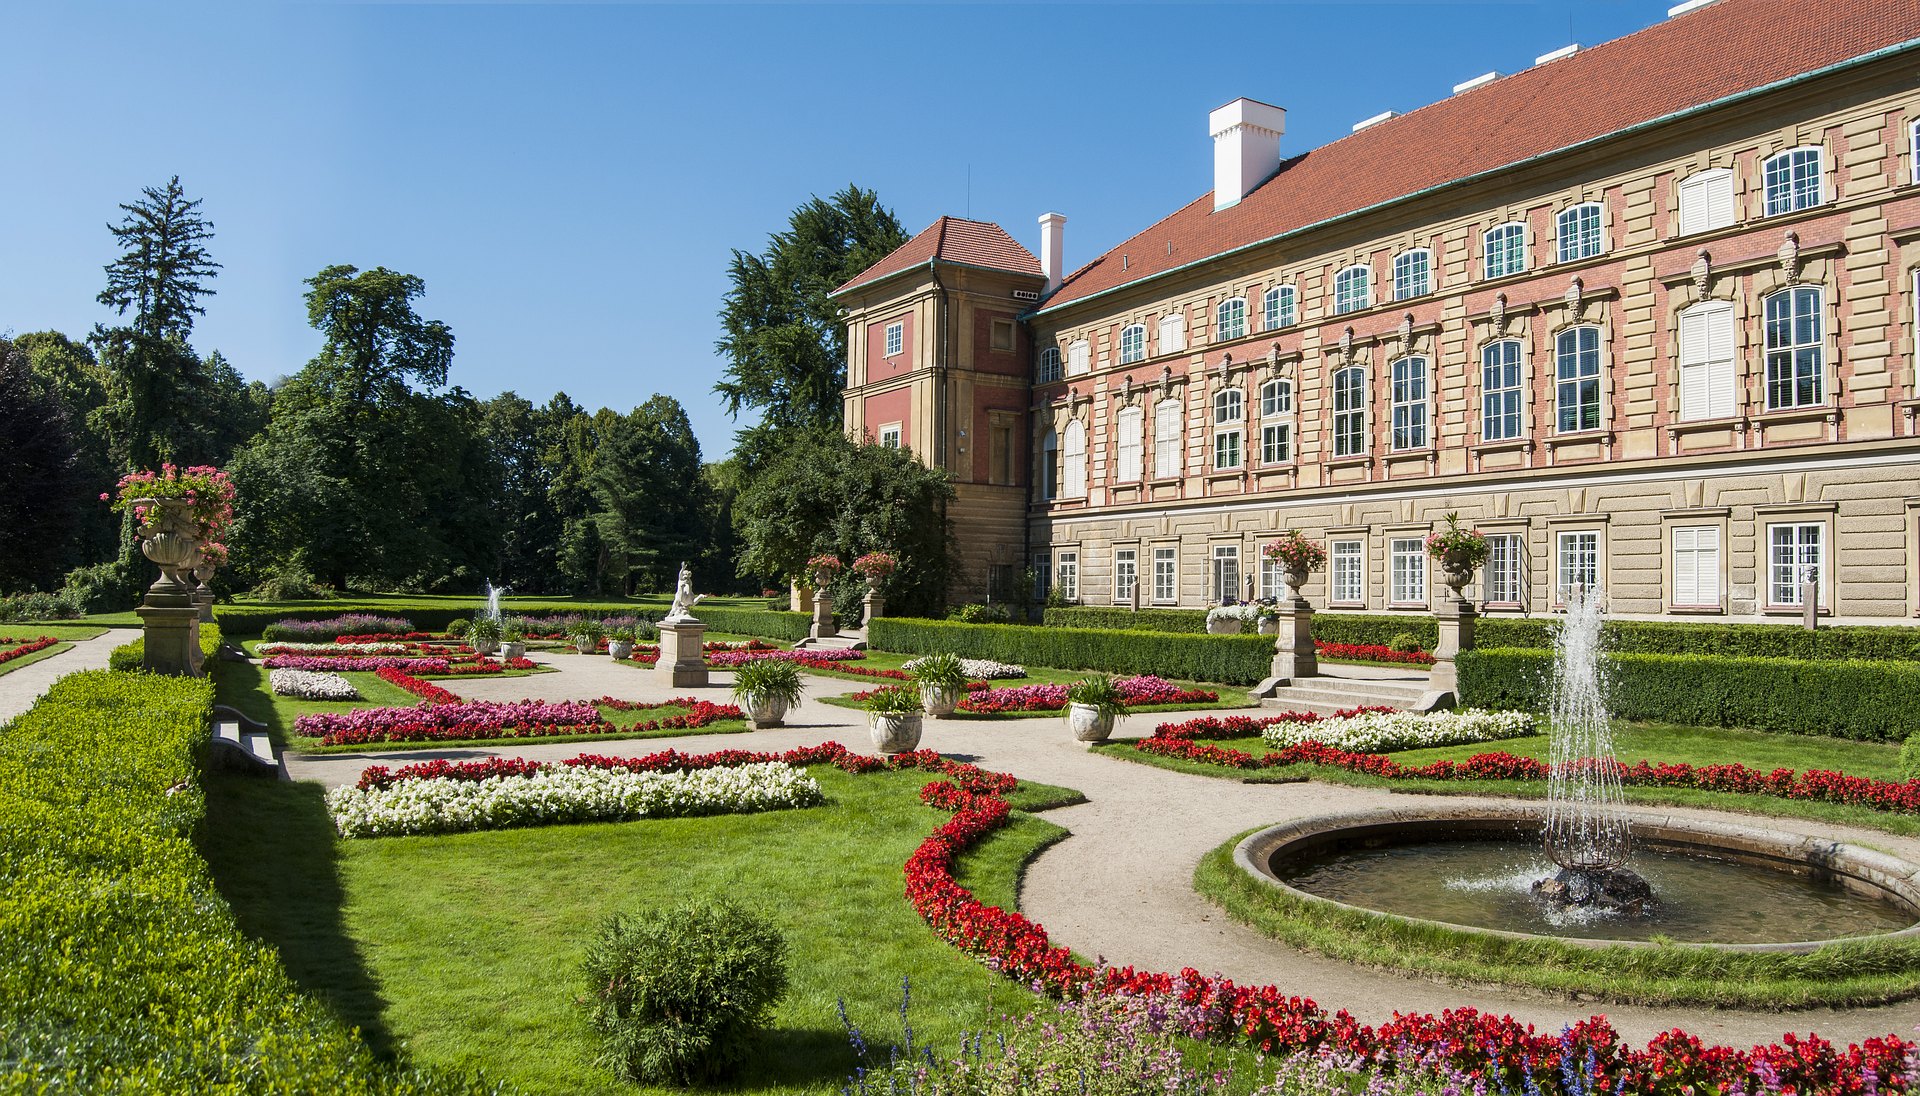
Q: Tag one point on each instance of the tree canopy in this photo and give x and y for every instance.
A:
(163, 267)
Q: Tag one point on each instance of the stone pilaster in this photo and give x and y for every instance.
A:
(682, 662)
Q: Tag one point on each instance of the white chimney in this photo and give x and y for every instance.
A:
(1246, 147)
(1051, 262)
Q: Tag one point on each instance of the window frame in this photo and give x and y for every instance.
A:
(1049, 368)
(1407, 573)
(1042, 574)
(1579, 239)
(1675, 531)
(1168, 447)
(1512, 409)
(1411, 402)
(1347, 571)
(1176, 322)
(1124, 450)
(1073, 460)
(1276, 443)
(1229, 430)
(896, 336)
(1404, 288)
(1079, 358)
(1579, 380)
(1355, 415)
(1487, 250)
(1133, 343)
(1597, 565)
(1276, 315)
(1126, 565)
(1913, 151)
(1695, 192)
(1823, 574)
(1792, 197)
(1793, 354)
(1166, 564)
(1343, 301)
(889, 430)
(1066, 574)
(1217, 574)
(1225, 329)
(1716, 375)
(1050, 465)
(1505, 552)
(1273, 579)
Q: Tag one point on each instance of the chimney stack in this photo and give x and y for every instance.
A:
(1051, 262)
(1246, 148)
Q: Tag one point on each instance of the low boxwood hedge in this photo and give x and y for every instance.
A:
(1227, 660)
(1856, 698)
(125, 970)
(130, 656)
(767, 623)
(1182, 621)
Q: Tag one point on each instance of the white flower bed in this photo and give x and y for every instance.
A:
(308, 685)
(979, 669)
(563, 794)
(1377, 732)
(329, 648)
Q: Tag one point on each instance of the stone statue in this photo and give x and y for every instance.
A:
(683, 597)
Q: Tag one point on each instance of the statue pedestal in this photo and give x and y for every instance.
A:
(823, 627)
(171, 635)
(1293, 651)
(204, 597)
(874, 605)
(681, 661)
(1456, 616)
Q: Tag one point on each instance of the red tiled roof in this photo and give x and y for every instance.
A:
(1697, 58)
(952, 240)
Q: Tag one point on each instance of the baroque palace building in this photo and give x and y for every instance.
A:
(1644, 313)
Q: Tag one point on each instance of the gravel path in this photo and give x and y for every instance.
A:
(1121, 885)
(20, 688)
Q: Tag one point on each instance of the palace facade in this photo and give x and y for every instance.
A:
(1644, 313)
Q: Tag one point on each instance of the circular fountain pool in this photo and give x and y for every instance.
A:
(1473, 868)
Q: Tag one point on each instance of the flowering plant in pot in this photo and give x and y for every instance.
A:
(483, 635)
(875, 566)
(766, 688)
(513, 638)
(1092, 705)
(893, 718)
(178, 510)
(586, 634)
(1460, 552)
(620, 643)
(942, 679)
(1297, 555)
(822, 570)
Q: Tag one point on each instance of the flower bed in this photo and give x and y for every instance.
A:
(434, 694)
(735, 658)
(451, 722)
(984, 669)
(337, 649)
(350, 624)
(1142, 690)
(1395, 730)
(30, 647)
(1371, 652)
(360, 662)
(700, 713)
(308, 685)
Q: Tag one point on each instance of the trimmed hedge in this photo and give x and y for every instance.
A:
(1180, 621)
(246, 621)
(1870, 700)
(131, 656)
(125, 969)
(767, 623)
(1227, 660)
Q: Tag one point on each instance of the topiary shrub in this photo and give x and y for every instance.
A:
(1405, 643)
(677, 994)
(457, 627)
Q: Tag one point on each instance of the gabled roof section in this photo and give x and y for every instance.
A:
(1700, 57)
(952, 240)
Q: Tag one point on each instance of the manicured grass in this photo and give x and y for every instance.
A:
(34, 630)
(28, 660)
(1848, 974)
(1230, 697)
(465, 947)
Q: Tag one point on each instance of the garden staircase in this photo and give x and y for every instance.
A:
(848, 640)
(242, 745)
(1343, 687)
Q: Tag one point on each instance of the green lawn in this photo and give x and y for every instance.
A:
(465, 947)
(32, 630)
(27, 660)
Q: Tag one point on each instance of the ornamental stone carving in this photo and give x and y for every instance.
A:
(1789, 255)
(1702, 275)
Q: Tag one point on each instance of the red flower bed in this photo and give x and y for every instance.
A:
(700, 712)
(40, 644)
(1371, 652)
(378, 776)
(433, 693)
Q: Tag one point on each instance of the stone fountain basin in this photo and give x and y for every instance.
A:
(1871, 874)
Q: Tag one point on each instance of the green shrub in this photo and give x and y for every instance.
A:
(1405, 642)
(458, 626)
(1228, 660)
(1910, 757)
(64, 605)
(293, 584)
(1845, 699)
(1188, 621)
(677, 995)
(132, 656)
(125, 970)
(980, 614)
(756, 622)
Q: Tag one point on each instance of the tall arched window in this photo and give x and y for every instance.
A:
(1506, 248)
(1706, 361)
(1276, 398)
(1279, 308)
(1793, 180)
(1412, 274)
(1049, 366)
(1078, 358)
(1133, 343)
(1350, 412)
(1127, 425)
(1232, 316)
(1796, 373)
(1075, 473)
(1352, 289)
(1173, 333)
(1502, 391)
(1577, 379)
(1050, 466)
(1410, 403)
(1229, 412)
(1580, 232)
(1166, 438)
(1276, 427)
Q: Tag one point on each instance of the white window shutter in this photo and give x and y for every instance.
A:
(1720, 340)
(1719, 199)
(1707, 565)
(1693, 366)
(1693, 206)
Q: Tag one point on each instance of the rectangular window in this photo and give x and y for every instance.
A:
(1580, 235)
(1232, 320)
(1066, 571)
(1127, 424)
(1126, 570)
(1348, 583)
(1706, 201)
(1913, 150)
(1578, 366)
(1796, 555)
(1410, 403)
(1166, 439)
(1579, 555)
(1352, 289)
(1049, 365)
(1273, 579)
(1276, 443)
(1696, 566)
(1506, 250)
(1078, 360)
(890, 435)
(1706, 362)
(1133, 343)
(1505, 569)
(1793, 181)
(896, 336)
(1349, 413)
(1409, 571)
(1166, 574)
(1042, 576)
(1500, 391)
(1794, 374)
(1226, 450)
(1226, 573)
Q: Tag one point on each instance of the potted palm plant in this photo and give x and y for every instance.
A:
(943, 683)
(513, 638)
(483, 635)
(766, 688)
(1092, 705)
(586, 634)
(620, 644)
(893, 718)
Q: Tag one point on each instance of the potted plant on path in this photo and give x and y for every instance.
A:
(766, 688)
(1092, 705)
(893, 718)
(586, 634)
(483, 635)
(942, 681)
(513, 639)
(620, 644)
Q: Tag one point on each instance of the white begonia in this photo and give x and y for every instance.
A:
(567, 794)
(330, 648)
(980, 669)
(1377, 732)
(309, 685)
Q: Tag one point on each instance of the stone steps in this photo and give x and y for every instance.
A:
(241, 745)
(1327, 695)
(845, 641)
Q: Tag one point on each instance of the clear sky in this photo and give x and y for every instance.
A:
(569, 180)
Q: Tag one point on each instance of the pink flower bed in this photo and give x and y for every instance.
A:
(366, 662)
(1145, 689)
(440, 722)
(735, 658)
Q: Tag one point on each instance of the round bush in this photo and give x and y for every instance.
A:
(458, 626)
(675, 995)
(1910, 757)
(1404, 642)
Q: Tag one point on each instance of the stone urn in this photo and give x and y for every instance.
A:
(1087, 724)
(766, 711)
(169, 539)
(513, 650)
(1269, 625)
(585, 645)
(873, 582)
(620, 649)
(940, 702)
(1297, 581)
(1456, 570)
(894, 733)
(484, 646)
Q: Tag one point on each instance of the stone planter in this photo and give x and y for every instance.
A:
(1456, 570)
(513, 650)
(894, 734)
(620, 649)
(1269, 626)
(766, 711)
(1226, 626)
(1087, 724)
(940, 702)
(168, 540)
(585, 645)
(484, 646)
(1297, 581)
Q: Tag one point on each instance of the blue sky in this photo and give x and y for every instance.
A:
(569, 180)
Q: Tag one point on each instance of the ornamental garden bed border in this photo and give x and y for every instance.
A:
(1225, 660)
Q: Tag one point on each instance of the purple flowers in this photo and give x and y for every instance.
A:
(351, 624)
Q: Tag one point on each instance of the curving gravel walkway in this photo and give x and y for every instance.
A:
(20, 688)
(1121, 885)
